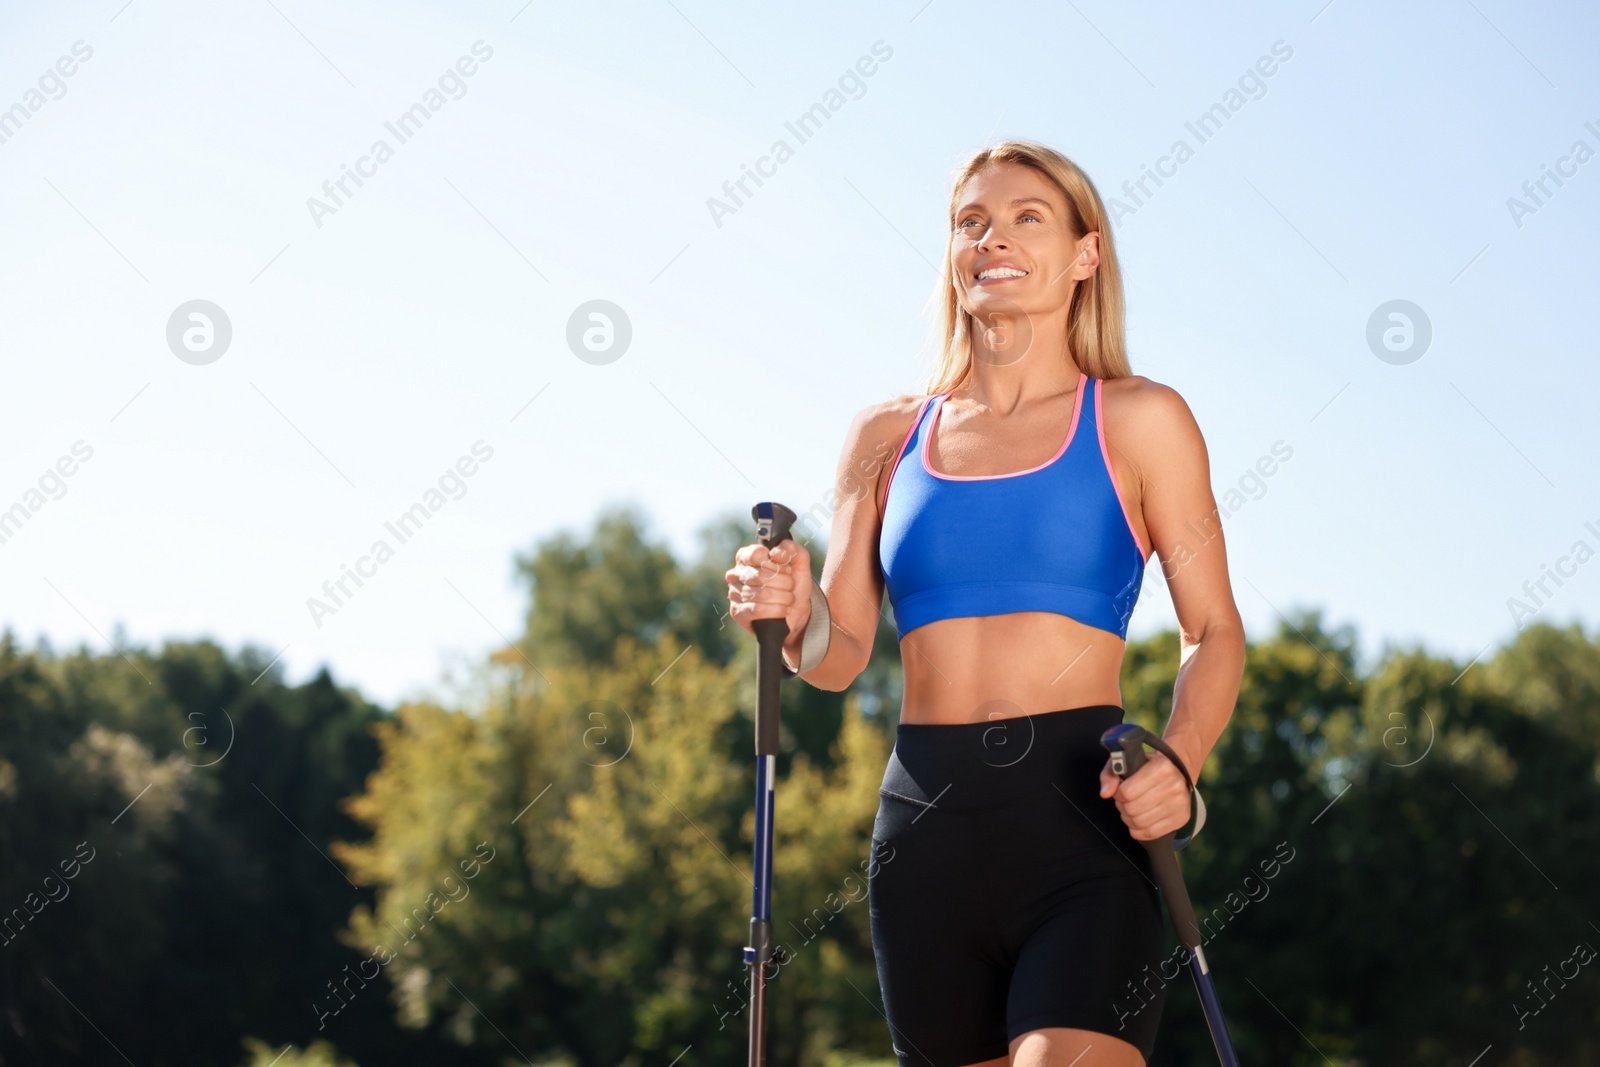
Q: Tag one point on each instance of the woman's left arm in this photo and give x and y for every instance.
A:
(1160, 440)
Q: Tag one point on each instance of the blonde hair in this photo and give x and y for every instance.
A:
(1096, 335)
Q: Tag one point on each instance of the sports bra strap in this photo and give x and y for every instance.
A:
(922, 412)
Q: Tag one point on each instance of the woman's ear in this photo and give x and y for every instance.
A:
(1088, 254)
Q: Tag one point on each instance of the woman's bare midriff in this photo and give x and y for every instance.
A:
(998, 666)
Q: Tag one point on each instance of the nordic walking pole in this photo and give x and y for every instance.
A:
(1126, 743)
(772, 528)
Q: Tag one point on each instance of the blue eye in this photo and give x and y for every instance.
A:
(1025, 215)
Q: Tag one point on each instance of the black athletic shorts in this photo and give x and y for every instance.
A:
(1008, 894)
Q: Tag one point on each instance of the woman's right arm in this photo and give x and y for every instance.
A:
(851, 578)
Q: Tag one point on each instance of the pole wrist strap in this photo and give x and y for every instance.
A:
(1198, 808)
(818, 632)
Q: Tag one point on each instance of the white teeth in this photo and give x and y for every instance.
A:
(1002, 272)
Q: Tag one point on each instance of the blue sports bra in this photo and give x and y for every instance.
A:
(1054, 538)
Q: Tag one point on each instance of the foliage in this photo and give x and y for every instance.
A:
(161, 816)
(1395, 868)
(319, 1054)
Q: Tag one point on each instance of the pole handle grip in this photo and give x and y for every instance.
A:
(773, 522)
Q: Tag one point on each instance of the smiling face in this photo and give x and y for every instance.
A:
(1013, 248)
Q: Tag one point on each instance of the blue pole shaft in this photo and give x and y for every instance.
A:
(1212, 1008)
(759, 952)
(761, 894)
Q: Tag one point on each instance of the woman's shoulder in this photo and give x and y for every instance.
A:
(872, 446)
(1143, 410)
(900, 407)
(1138, 397)
(884, 423)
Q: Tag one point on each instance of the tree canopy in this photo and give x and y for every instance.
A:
(205, 864)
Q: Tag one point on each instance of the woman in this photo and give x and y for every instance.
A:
(1009, 513)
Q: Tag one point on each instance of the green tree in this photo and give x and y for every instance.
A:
(189, 792)
(1419, 802)
(587, 595)
(318, 1054)
(609, 926)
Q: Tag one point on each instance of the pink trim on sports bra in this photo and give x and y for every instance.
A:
(1072, 431)
(1100, 428)
(883, 501)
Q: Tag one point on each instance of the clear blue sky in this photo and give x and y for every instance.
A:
(375, 343)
